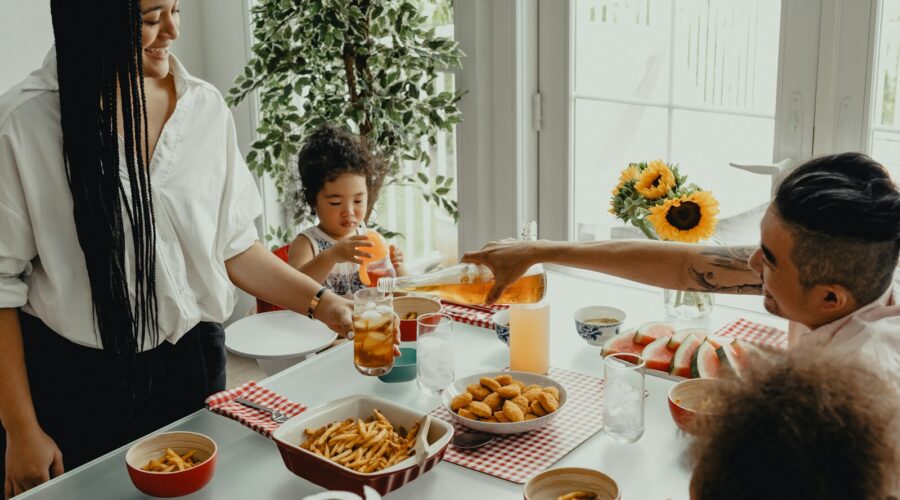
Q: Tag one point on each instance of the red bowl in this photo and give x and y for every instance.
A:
(333, 476)
(413, 304)
(685, 399)
(175, 483)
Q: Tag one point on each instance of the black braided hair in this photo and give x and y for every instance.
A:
(100, 67)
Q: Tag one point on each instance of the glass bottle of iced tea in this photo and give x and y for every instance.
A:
(469, 284)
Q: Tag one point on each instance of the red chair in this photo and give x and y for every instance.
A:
(262, 305)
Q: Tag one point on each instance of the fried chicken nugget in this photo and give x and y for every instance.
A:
(494, 401)
(464, 412)
(552, 390)
(461, 401)
(532, 387)
(480, 409)
(500, 416)
(530, 416)
(477, 391)
(549, 402)
(520, 384)
(532, 394)
(490, 383)
(522, 402)
(537, 409)
(513, 412)
(509, 391)
(504, 379)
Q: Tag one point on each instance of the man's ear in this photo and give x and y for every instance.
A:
(833, 298)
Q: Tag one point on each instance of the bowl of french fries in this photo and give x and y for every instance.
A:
(360, 441)
(504, 402)
(409, 308)
(172, 464)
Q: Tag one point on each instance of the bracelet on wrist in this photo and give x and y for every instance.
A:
(314, 303)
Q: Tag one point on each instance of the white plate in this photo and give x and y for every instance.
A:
(277, 334)
(460, 385)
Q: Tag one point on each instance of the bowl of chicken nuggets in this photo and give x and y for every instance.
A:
(172, 464)
(360, 441)
(505, 402)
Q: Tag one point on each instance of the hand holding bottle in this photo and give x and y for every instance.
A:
(507, 259)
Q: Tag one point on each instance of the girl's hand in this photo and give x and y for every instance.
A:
(397, 259)
(32, 458)
(350, 249)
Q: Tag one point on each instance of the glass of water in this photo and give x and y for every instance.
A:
(434, 353)
(623, 397)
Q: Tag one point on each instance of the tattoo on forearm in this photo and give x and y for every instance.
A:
(729, 261)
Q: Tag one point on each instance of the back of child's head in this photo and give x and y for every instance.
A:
(328, 153)
(814, 425)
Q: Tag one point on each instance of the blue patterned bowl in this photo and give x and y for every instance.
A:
(501, 325)
(597, 334)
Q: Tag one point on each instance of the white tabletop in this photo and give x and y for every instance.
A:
(250, 466)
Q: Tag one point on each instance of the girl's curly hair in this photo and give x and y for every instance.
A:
(325, 155)
(813, 425)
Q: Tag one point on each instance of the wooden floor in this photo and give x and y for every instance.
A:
(240, 369)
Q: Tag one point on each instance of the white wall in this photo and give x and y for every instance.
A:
(25, 37)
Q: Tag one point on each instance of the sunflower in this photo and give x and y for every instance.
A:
(689, 218)
(655, 181)
(630, 173)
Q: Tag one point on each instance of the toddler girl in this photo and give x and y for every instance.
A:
(336, 172)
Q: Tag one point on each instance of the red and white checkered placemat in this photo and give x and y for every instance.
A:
(761, 335)
(223, 403)
(479, 316)
(519, 456)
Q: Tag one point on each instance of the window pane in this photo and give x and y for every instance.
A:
(884, 140)
(694, 84)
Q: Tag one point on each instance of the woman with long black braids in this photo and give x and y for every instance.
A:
(126, 213)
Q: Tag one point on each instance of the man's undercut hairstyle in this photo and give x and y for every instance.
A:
(844, 213)
(100, 66)
(817, 424)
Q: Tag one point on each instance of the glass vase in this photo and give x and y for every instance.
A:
(688, 305)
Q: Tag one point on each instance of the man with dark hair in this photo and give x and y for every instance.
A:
(804, 431)
(826, 261)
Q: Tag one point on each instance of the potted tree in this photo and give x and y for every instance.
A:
(369, 65)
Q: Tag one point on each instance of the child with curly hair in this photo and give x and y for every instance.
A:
(338, 176)
(815, 425)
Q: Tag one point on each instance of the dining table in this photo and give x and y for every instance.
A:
(657, 466)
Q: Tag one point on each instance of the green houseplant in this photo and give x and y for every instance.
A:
(370, 65)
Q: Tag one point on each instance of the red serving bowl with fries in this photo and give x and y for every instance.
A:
(405, 305)
(178, 482)
(333, 476)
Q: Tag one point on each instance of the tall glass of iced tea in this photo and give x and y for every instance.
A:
(373, 331)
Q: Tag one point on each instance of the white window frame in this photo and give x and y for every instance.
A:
(794, 113)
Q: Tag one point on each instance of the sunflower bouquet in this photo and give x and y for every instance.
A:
(658, 200)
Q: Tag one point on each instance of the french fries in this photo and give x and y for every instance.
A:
(364, 446)
(173, 462)
(411, 315)
(578, 495)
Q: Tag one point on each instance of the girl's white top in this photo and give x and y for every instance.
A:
(343, 279)
(204, 197)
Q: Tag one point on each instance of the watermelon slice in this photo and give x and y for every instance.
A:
(681, 362)
(623, 342)
(648, 332)
(737, 356)
(682, 334)
(657, 355)
(705, 362)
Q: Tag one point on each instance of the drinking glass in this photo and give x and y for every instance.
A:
(373, 332)
(623, 397)
(434, 353)
(529, 338)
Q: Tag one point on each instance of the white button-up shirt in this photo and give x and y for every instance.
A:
(204, 197)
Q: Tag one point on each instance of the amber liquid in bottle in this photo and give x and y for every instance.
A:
(526, 290)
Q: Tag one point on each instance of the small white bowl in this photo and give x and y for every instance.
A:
(501, 325)
(526, 378)
(598, 334)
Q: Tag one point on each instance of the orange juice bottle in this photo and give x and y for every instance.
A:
(379, 264)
